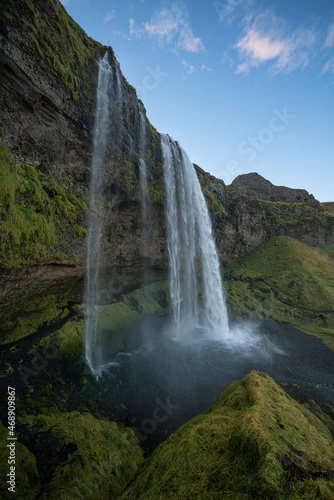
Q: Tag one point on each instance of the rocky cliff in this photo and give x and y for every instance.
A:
(48, 78)
(256, 210)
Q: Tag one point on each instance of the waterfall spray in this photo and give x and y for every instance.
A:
(191, 245)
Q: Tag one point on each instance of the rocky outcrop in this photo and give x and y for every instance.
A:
(252, 209)
(258, 187)
(257, 210)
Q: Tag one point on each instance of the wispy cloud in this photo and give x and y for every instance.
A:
(109, 15)
(267, 40)
(328, 67)
(329, 42)
(169, 25)
(229, 10)
(188, 42)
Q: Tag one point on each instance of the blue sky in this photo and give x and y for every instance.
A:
(243, 85)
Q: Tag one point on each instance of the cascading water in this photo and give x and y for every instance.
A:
(93, 340)
(142, 169)
(191, 244)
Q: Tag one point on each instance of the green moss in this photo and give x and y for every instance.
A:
(26, 474)
(324, 417)
(154, 165)
(78, 231)
(128, 178)
(87, 454)
(147, 300)
(285, 280)
(24, 326)
(279, 215)
(328, 207)
(254, 442)
(156, 191)
(329, 248)
(70, 338)
(214, 205)
(33, 212)
(59, 41)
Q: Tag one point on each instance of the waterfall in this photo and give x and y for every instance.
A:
(191, 248)
(142, 167)
(119, 97)
(93, 335)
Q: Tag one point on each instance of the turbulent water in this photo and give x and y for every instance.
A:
(191, 247)
(93, 338)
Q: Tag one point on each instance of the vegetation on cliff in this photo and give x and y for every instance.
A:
(60, 44)
(38, 218)
(254, 442)
(112, 320)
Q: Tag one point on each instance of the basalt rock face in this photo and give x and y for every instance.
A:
(256, 210)
(48, 79)
(258, 187)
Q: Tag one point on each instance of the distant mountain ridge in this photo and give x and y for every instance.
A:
(262, 189)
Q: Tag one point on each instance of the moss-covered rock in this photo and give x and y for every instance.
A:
(77, 454)
(23, 326)
(68, 338)
(254, 442)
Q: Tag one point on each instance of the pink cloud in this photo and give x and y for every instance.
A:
(266, 41)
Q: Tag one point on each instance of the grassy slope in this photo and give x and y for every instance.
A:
(84, 454)
(254, 442)
(329, 206)
(286, 280)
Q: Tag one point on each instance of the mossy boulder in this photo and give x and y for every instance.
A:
(255, 441)
(77, 455)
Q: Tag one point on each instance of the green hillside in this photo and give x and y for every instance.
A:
(286, 280)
